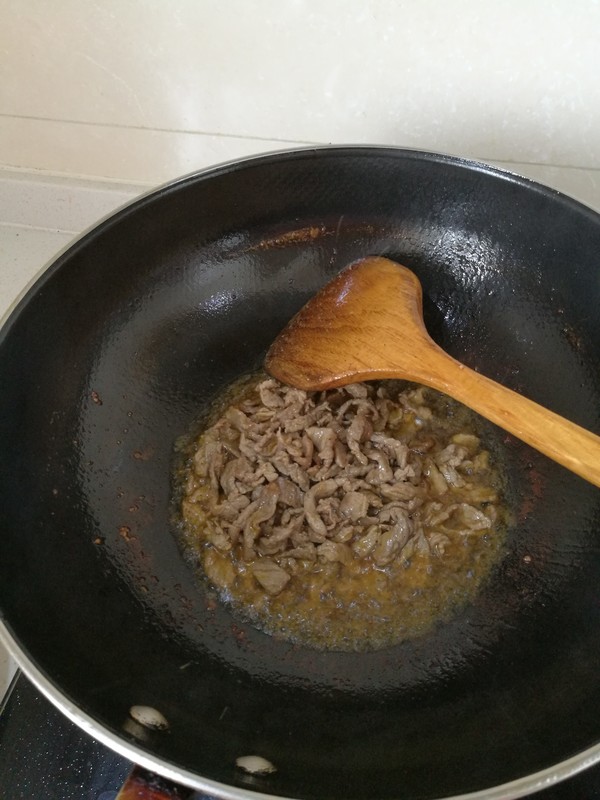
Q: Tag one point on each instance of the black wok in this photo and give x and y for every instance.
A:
(112, 354)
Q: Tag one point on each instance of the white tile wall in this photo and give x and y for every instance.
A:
(40, 217)
(144, 91)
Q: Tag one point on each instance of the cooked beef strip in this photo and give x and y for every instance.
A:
(293, 476)
(270, 575)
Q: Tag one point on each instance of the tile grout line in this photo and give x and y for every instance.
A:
(9, 172)
(21, 226)
(275, 139)
(185, 131)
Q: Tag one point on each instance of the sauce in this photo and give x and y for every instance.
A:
(360, 603)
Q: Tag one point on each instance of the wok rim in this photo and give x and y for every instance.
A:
(520, 787)
(223, 167)
(511, 790)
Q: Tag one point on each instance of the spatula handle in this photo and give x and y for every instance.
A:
(574, 447)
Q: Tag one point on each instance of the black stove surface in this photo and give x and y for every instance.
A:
(44, 756)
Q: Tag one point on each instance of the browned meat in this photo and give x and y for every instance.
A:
(288, 477)
(270, 576)
(354, 505)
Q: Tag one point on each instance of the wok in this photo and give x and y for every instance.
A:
(113, 353)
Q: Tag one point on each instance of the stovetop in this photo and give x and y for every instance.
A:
(44, 756)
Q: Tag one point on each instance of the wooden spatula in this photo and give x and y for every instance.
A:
(367, 324)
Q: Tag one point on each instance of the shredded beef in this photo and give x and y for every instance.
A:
(292, 477)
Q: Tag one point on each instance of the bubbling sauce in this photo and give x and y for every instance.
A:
(350, 519)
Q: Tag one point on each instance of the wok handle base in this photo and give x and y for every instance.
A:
(141, 784)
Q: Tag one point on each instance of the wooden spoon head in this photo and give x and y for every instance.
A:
(365, 324)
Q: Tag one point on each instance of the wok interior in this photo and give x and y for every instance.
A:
(121, 344)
